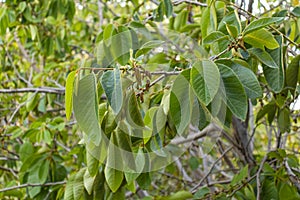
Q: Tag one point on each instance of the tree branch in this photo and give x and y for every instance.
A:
(32, 185)
(38, 90)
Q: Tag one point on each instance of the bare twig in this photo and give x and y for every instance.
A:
(293, 178)
(13, 172)
(196, 136)
(32, 185)
(37, 90)
(258, 185)
(193, 190)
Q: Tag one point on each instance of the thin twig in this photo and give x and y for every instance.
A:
(13, 172)
(193, 190)
(190, 2)
(32, 185)
(258, 185)
(37, 90)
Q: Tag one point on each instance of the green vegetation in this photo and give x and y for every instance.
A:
(155, 99)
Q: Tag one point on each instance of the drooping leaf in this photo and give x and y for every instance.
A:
(85, 104)
(168, 7)
(205, 79)
(113, 176)
(88, 182)
(261, 23)
(275, 76)
(180, 101)
(264, 57)
(121, 43)
(78, 186)
(233, 92)
(92, 164)
(133, 114)
(69, 94)
(112, 86)
(247, 78)
(107, 34)
(284, 121)
(261, 38)
(293, 73)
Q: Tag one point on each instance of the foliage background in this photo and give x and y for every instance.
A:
(255, 155)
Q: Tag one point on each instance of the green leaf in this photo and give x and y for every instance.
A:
(107, 34)
(180, 195)
(180, 20)
(205, 22)
(201, 192)
(293, 73)
(261, 38)
(168, 8)
(133, 114)
(232, 30)
(121, 43)
(214, 37)
(264, 57)
(85, 104)
(261, 23)
(275, 76)
(247, 78)
(233, 92)
(92, 163)
(68, 195)
(284, 121)
(125, 147)
(113, 176)
(88, 182)
(69, 94)
(240, 176)
(112, 85)
(43, 171)
(78, 186)
(33, 31)
(180, 102)
(205, 79)
(145, 48)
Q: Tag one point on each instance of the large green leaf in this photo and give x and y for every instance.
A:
(233, 92)
(247, 78)
(275, 76)
(88, 181)
(107, 34)
(112, 86)
(85, 103)
(69, 94)
(293, 73)
(113, 176)
(78, 186)
(92, 164)
(261, 23)
(261, 38)
(264, 57)
(180, 101)
(205, 79)
(121, 43)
